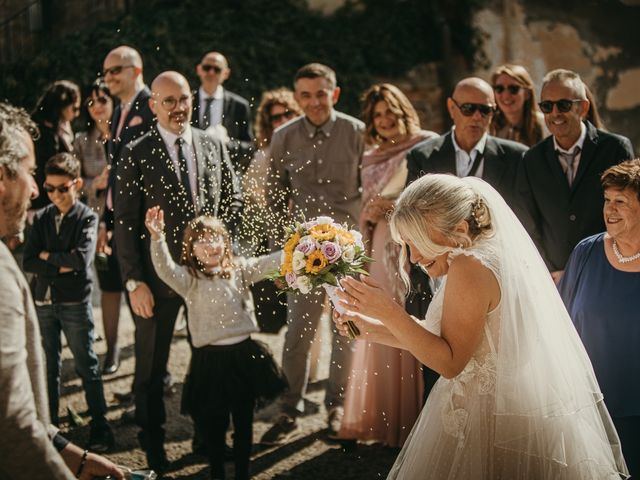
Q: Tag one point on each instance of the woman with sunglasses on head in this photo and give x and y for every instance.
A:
(517, 117)
(90, 146)
(58, 106)
(385, 389)
(276, 108)
(91, 150)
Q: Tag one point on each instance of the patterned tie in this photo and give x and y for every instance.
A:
(206, 117)
(184, 172)
(569, 162)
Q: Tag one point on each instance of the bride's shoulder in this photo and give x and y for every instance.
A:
(475, 271)
(483, 252)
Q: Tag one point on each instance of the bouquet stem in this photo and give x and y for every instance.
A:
(335, 300)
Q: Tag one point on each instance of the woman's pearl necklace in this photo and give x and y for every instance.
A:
(620, 257)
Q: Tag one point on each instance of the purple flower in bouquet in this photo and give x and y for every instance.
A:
(291, 279)
(307, 245)
(332, 251)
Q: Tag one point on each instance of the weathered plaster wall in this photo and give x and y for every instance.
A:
(596, 42)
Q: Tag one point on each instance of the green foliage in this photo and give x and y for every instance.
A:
(266, 41)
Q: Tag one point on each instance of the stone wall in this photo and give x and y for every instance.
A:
(596, 40)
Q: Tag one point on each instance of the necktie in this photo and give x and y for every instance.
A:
(569, 162)
(476, 164)
(184, 172)
(124, 111)
(206, 117)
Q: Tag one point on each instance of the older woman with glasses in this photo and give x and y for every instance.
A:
(58, 106)
(599, 286)
(517, 117)
(276, 108)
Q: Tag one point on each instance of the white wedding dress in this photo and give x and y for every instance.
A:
(527, 405)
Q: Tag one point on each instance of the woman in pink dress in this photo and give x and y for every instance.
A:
(384, 394)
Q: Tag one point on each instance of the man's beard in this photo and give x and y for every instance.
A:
(15, 216)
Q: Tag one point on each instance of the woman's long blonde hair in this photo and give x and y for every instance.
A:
(437, 202)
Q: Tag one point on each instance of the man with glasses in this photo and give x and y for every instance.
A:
(122, 74)
(186, 173)
(560, 182)
(221, 112)
(467, 149)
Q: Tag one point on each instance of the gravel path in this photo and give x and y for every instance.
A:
(307, 456)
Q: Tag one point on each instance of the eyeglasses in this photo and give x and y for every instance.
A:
(91, 102)
(468, 109)
(512, 89)
(171, 103)
(564, 105)
(208, 68)
(279, 116)
(60, 188)
(117, 70)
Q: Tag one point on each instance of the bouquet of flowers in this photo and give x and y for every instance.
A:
(320, 252)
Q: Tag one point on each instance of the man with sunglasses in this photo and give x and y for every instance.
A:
(221, 112)
(59, 252)
(467, 149)
(560, 183)
(187, 173)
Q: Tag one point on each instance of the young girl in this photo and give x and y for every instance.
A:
(229, 371)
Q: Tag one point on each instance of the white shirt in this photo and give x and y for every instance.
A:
(169, 139)
(579, 143)
(215, 111)
(464, 160)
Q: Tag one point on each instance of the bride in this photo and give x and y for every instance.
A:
(518, 398)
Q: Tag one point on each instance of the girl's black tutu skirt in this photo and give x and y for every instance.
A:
(220, 375)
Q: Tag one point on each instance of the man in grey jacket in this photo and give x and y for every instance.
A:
(31, 447)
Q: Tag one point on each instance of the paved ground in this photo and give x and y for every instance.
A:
(308, 456)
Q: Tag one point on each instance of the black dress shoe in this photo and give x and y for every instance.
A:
(111, 368)
(153, 446)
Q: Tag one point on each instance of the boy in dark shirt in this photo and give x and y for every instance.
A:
(59, 251)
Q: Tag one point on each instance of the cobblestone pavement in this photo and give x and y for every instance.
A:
(309, 455)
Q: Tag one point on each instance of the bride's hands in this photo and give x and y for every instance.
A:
(368, 298)
(367, 327)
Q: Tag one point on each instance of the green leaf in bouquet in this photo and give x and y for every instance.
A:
(330, 278)
(360, 270)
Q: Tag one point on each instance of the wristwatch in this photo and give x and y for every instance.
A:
(131, 285)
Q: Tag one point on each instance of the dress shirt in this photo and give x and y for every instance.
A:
(570, 151)
(169, 139)
(318, 167)
(464, 160)
(215, 112)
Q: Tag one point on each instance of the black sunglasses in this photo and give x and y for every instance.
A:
(279, 116)
(468, 109)
(208, 68)
(513, 89)
(564, 105)
(117, 70)
(60, 188)
(90, 102)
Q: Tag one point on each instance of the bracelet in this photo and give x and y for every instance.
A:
(82, 463)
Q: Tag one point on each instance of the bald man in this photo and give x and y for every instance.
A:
(131, 118)
(221, 112)
(467, 149)
(187, 173)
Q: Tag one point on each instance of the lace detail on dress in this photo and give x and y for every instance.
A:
(482, 371)
(485, 251)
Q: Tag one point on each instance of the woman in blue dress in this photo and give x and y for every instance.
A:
(600, 288)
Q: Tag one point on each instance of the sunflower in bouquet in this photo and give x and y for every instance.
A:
(320, 252)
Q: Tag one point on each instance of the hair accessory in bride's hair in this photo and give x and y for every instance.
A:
(480, 216)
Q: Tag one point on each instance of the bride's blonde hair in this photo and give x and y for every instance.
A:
(439, 203)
